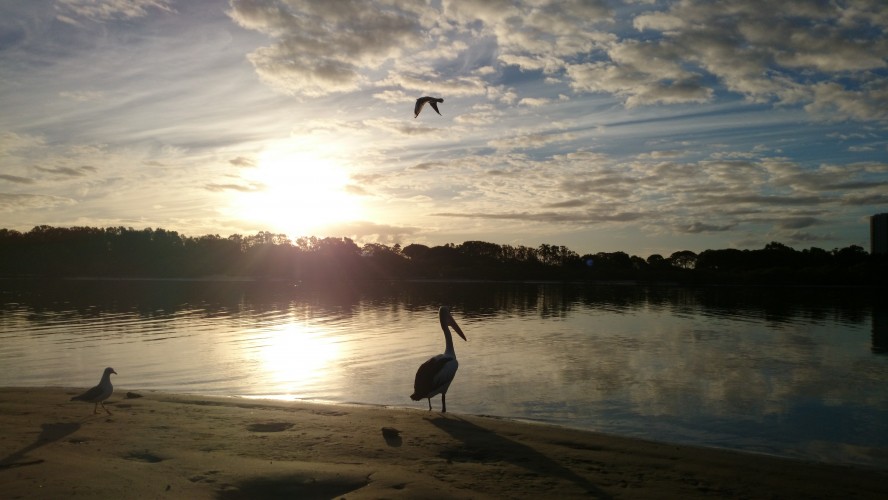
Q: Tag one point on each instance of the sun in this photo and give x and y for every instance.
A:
(296, 191)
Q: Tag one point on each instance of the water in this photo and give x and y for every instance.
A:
(789, 371)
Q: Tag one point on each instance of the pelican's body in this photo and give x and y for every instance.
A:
(435, 375)
(422, 102)
(99, 393)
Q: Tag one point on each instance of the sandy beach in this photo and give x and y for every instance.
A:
(164, 445)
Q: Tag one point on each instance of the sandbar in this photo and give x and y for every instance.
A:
(162, 445)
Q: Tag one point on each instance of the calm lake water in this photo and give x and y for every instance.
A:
(791, 371)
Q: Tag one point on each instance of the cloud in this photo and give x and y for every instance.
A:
(251, 187)
(12, 142)
(832, 101)
(866, 200)
(401, 127)
(323, 47)
(67, 171)
(242, 161)
(393, 96)
(82, 95)
(567, 204)
(374, 232)
(637, 88)
(802, 238)
(584, 218)
(530, 140)
(729, 200)
(797, 222)
(534, 102)
(356, 190)
(786, 55)
(366, 178)
(444, 86)
(10, 202)
(107, 10)
(16, 179)
(676, 56)
(429, 165)
(700, 227)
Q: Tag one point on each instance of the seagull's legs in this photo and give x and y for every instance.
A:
(443, 402)
(106, 409)
(430, 404)
(95, 408)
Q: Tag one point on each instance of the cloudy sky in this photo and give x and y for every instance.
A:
(644, 126)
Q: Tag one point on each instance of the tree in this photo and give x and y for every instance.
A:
(683, 259)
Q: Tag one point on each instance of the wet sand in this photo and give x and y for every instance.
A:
(165, 445)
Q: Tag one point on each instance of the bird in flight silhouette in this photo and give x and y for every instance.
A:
(422, 102)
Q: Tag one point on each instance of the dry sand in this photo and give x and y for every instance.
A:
(181, 446)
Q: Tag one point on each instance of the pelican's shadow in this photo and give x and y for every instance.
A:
(481, 445)
(48, 434)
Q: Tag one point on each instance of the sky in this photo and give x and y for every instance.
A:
(642, 126)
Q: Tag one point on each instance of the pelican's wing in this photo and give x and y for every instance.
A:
(429, 376)
(445, 375)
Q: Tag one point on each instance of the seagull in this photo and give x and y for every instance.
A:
(99, 393)
(423, 100)
(435, 375)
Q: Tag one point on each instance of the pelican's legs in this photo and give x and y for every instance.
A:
(443, 402)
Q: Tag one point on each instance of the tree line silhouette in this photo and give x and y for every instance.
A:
(119, 252)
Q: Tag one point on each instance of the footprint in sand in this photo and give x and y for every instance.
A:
(144, 456)
(269, 426)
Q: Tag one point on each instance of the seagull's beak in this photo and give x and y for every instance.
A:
(114, 372)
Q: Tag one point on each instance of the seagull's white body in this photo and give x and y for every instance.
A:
(433, 101)
(99, 393)
(435, 375)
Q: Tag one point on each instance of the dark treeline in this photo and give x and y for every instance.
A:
(47, 251)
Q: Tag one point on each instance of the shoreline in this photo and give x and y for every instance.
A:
(297, 283)
(180, 445)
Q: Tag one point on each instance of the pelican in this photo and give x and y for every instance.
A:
(435, 375)
(423, 100)
(99, 393)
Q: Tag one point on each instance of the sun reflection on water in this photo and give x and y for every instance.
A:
(294, 357)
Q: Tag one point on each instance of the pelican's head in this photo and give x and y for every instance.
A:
(447, 320)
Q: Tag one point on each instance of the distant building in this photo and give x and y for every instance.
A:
(879, 234)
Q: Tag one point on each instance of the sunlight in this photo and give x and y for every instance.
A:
(294, 358)
(299, 191)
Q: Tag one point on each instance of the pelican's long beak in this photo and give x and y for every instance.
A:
(456, 328)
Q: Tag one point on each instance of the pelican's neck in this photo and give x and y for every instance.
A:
(448, 340)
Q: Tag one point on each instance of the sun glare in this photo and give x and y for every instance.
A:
(294, 359)
(297, 192)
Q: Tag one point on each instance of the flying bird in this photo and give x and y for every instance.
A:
(99, 393)
(435, 375)
(422, 102)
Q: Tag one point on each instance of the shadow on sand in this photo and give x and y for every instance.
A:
(48, 434)
(484, 445)
(294, 486)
